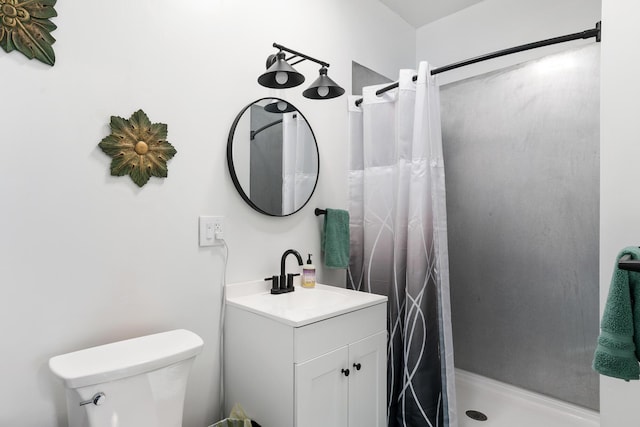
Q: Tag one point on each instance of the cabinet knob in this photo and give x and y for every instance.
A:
(357, 366)
(345, 372)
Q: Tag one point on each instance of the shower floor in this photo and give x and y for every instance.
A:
(509, 406)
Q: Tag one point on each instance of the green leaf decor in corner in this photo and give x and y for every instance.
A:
(25, 26)
(138, 147)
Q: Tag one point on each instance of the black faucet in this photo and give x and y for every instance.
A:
(284, 283)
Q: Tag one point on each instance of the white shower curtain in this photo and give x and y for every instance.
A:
(399, 241)
(299, 166)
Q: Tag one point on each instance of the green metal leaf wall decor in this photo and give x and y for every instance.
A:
(138, 147)
(25, 25)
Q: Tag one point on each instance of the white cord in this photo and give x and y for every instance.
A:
(223, 306)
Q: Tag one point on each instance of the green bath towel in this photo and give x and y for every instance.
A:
(335, 239)
(619, 342)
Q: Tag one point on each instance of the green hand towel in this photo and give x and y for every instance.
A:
(619, 341)
(335, 239)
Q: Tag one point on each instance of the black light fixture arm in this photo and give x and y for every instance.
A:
(294, 63)
(301, 55)
(281, 75)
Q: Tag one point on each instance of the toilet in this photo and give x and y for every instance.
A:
(136, 382)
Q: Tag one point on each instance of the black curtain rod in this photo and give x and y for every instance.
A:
(587, 34)
(253, 133)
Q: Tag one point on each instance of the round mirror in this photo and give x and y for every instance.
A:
(273, 157)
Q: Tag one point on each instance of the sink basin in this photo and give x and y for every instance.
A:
(301, 307)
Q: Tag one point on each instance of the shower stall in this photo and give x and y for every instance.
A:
(521, 150)
(521, 159)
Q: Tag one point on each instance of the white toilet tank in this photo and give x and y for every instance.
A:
(138, 382)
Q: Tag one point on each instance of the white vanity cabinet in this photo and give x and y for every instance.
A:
(290, 369)
(345, 387)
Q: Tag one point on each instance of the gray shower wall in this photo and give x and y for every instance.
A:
(266, 161)
(521, 149)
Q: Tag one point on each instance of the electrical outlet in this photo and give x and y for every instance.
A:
(211, 230)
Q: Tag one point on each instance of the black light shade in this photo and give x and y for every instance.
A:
(280, 75)
(279, 106)
(323, 87)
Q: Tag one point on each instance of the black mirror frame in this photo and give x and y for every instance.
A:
(232, 169)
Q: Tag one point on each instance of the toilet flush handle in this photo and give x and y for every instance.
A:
(97, 399)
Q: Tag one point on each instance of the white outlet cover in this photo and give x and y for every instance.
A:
(207, 227)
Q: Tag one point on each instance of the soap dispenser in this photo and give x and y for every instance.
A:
(308, 274)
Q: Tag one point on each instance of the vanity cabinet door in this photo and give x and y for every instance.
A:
(321, 390)
(325, 396)
(368, 382)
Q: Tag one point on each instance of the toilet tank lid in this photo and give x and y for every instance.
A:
(127, 358)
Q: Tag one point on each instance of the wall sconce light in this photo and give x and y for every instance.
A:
(281, 75)
(279, 106)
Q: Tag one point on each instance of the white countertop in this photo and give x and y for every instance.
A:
(300, 307)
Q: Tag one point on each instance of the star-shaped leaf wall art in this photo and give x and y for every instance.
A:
(138, 147)
(25, 26)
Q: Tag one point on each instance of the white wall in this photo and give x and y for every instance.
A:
(86, 258)
(494, 25)
(619, 157)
